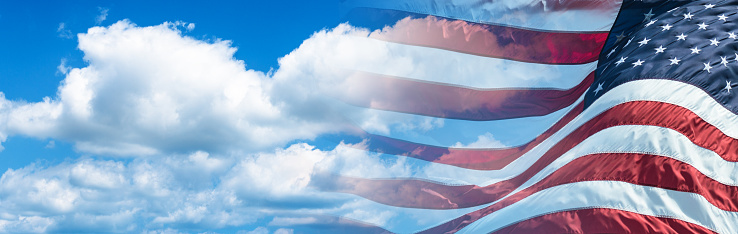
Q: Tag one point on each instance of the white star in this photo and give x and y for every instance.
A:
(736, 56)
(732, 35)
(638, 63)
(707, 67)
(674, 61)
(660, 49)
(724, 60)
(650, 23)
(628, 43)
(708, 6)
(622, 60)
(688, 15)
(666, 27)
(703, 26)
(612, 51)
(695, 50)
(645, 41)
(728, 86)
(722, 17)
(714, 42)
(681, 37)
(598, 89)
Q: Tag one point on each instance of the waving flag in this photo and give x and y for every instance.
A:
(643, 141)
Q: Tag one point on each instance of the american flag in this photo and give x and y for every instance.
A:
(644, 131)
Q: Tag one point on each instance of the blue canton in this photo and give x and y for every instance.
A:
(689, 41)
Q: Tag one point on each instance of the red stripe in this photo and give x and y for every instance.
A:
(478, 159)
(641, 169)
(710, 189)
(439, 100)
(497, 41)
(632, 113)
(602, 220)
(649, 113)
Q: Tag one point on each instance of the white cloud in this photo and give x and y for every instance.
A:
(162, 231)
(483, 141)
(380, 217)
(292, 167)
(28, 224)
(63, 68)
(113, 196)
(198, 190)
(185, 25)
(208, 127)
(50, 145)
(289, 221)
(5, 107)
(103, 14)
(106, 175)
(258, 230)
(284, 231)
(63, 32)
(149, 90)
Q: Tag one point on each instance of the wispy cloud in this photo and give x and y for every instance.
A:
(103, 14)
(50, 145)
(483, 141)
(63, 69)
(63, 32)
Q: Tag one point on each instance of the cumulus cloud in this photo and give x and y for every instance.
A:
(149, 90)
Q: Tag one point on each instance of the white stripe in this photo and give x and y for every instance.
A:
(678, 93)
(454, 69)
(668, 91)
(513, 132)
(647, 140)
(459, 69)
(516, 13)
(644, 200)
(447, 132)
(401, 220)
(626, 138)
(611, 194)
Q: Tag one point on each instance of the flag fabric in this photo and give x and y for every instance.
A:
(643, 140)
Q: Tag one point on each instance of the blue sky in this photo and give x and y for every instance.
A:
(176, 116)
(34, 43)
(263, 31)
